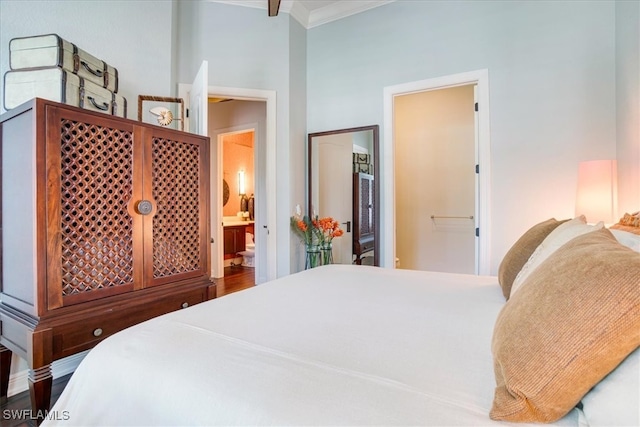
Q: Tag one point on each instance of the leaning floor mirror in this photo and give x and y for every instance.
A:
(343, 172)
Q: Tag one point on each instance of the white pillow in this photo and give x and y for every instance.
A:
(558, 237)
(615, 401)
(627, 239)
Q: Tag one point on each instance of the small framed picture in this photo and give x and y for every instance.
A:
(162, 111)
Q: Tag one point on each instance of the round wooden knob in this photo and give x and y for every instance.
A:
(97, 332)
(185, 304)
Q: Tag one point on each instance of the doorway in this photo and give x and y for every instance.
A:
(238, 196)
(481, 223)
(265, 207)
(237, 130)
(435, 180)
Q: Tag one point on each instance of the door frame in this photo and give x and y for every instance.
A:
(269, 97)
(217, 208)
(483, 158)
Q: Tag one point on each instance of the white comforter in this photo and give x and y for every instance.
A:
(336, 345)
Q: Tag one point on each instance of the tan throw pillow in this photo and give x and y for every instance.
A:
(573, 321)
(558, 237)
(520, 252)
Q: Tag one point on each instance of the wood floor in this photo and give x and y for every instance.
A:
(16, 411)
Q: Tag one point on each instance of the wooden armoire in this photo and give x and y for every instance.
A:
(363, 215)
(105, 224)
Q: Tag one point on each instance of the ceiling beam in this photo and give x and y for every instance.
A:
(274, 6)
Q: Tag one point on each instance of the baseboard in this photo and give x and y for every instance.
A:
(18, 382)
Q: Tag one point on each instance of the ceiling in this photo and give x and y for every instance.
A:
(311, 13)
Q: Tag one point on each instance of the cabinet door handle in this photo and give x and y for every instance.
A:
(185, 304)
(144, 207)
(348, 224)
(97, 332)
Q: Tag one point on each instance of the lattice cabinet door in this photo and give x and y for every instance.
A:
(365, 221)
(92, 228)
(177, 184)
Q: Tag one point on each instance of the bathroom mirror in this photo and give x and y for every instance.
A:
(343, 167)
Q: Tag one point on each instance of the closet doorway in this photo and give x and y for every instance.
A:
(431, 220)
(435, 180)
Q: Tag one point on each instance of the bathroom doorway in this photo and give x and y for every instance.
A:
(237, 131)
(238, 197)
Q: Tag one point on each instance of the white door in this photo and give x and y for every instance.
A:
(436, 180)
(198, 101)
(335, 189)
(198, 123)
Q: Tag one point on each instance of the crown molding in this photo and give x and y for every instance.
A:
(339, 10)
(317, 17)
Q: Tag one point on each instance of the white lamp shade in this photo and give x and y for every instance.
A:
(597, 197)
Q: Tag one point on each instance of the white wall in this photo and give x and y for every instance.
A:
(552, 88)
(133, 36)
(628, 104)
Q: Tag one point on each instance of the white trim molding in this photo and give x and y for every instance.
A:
(18, 382)
(268, 96)
(333, 11)
(388, 241)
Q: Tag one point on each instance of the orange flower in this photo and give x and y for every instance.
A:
(302, 226)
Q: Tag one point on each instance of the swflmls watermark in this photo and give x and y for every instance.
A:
(28, 414)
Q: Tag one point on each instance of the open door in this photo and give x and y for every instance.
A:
(198, 123)
(198, 101)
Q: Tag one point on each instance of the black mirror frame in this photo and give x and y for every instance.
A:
(376, 175)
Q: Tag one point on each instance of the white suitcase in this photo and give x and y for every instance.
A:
(50, 50)
(58, 85)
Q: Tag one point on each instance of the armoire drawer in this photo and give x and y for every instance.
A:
(81, 335)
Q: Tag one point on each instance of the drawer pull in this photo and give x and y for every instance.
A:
(103, 107)
(97, 73)
(185, 304)
(97, 332)
(144, 207)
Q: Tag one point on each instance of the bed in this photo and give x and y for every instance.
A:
(334, 345)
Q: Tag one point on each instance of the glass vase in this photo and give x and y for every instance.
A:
(327, 253)
(313, 258)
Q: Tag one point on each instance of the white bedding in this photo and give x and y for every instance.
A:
(335, 345)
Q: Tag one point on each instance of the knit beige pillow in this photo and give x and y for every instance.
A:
(576, 317)
(520, 252)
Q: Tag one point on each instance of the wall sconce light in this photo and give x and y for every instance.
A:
(597, 196)
(244, 202)
(241, 189)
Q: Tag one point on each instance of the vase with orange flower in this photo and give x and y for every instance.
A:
(328, 228)
(304, 227)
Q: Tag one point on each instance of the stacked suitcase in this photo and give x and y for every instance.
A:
(50, 67)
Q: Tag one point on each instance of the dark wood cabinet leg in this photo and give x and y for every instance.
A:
(40, 382)
(5, 371)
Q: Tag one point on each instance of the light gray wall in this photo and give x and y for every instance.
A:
(628, 104)
(133, 36)
(552, 88)
(298, 136)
